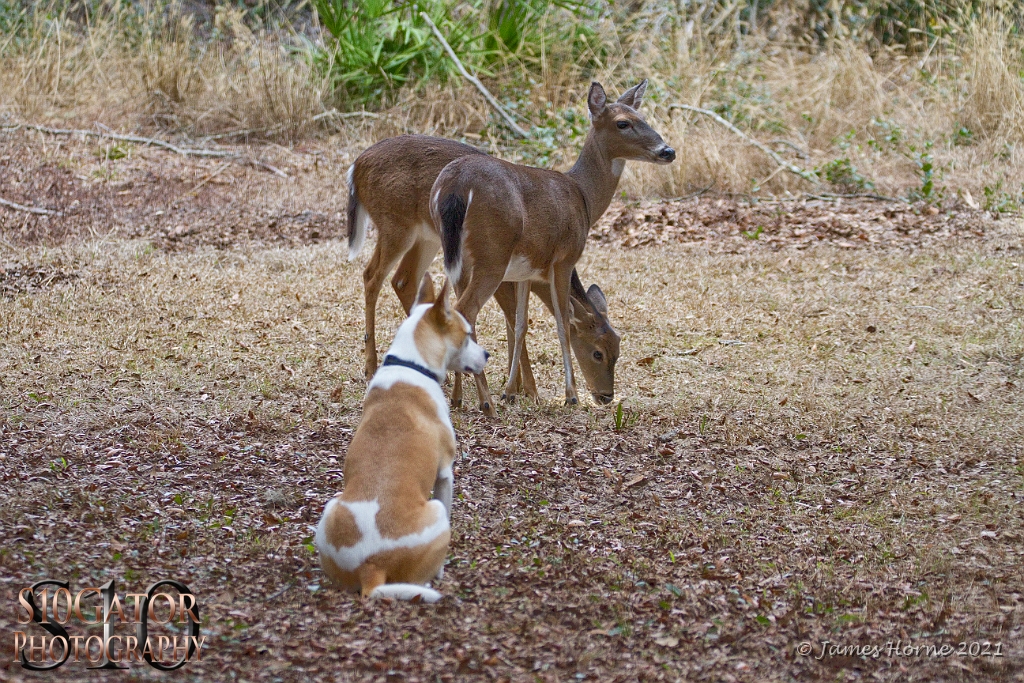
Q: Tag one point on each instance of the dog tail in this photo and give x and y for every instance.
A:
(357, 217)
(452, 212)
(405, 591)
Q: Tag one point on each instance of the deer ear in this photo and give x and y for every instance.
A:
(597, 100)
(426, 293)
(596, 297)
(579, 312)
(634, 97)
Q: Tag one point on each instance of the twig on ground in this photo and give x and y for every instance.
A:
(861, 195)
(335, 114)
(208, 178)
(692, 195)
(509, 121)
(30, 209)
(792, 168)
(156, 142)
(793, 146)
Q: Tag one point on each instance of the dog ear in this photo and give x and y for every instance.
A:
(426, 293)
(441, 308)
(442, 298)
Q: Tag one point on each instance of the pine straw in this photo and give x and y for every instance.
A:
(819, 443)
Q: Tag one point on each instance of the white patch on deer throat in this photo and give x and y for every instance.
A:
(519, 269)
(617, 166)
(370, 541)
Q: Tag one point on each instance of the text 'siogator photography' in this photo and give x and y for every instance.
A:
(512, 341)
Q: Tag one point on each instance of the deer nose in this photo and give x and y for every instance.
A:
(486, 355)
(604, 399)
(667, 154)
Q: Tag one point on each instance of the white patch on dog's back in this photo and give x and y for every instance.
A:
(349, 558)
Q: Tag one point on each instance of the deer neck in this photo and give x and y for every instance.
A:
(597, 176)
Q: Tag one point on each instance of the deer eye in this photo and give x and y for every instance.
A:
(623, 125)
(598, 356)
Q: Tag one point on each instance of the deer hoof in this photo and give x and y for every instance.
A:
(508, 398)
(488, 410)
(572, 401)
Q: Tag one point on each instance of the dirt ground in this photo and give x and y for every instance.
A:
(821, 434)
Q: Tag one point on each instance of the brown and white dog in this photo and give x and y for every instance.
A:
(385, 535)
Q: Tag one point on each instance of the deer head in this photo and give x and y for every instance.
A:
(622, 130)
(595, 343)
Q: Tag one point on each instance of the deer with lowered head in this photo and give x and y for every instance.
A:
(389, 186)
(506, 223)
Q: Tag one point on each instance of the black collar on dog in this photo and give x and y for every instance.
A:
(394, 360)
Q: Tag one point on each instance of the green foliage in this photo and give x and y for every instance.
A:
(927, 192)
(380, 45)
(843, 175)
(625, 418)
(532, 30)
(753, 234)
(1000, 201)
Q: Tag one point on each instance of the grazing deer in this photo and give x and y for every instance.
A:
(389, 185)
(502, 222)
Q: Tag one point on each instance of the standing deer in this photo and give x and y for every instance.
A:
(389, 185)
(503, 222)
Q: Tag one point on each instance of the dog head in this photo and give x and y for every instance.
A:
(441, 335)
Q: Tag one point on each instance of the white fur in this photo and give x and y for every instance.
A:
(519, 269)
(455, 272)
(404, 347)
(362, 221)
(371, 542)
(405, 591)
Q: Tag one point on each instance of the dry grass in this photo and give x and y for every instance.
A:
(820, 442)
(148, 68)
(961, 102)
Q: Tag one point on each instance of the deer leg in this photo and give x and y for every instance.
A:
(559, 279)
(407, 278)
(522, 306)
(482, 284)
(524, 381)
(526, 373)
(385, 255)
(457, 391)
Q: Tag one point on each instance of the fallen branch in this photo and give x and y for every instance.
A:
(29, 209)
(334, 113)
(809, 176)
(509, 121)
(156, 142)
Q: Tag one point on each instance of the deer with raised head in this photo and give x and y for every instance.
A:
(389, 186)
(506, 223)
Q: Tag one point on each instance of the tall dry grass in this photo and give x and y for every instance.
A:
(865, 117)
(154, 69)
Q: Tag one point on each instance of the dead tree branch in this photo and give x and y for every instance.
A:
(509, 121)
(29, 209)
(809, 176)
